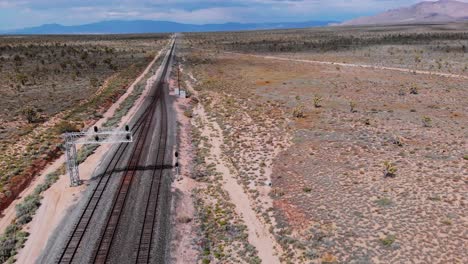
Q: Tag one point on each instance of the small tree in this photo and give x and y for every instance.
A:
(389, 169)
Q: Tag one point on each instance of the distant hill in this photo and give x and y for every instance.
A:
(424, 12)
(149, 26)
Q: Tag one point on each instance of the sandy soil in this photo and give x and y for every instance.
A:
(357, 65)
(330, 193)
(258, 234)
(183, 232)
(60, 196)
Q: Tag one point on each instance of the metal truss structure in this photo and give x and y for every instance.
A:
(96, 137)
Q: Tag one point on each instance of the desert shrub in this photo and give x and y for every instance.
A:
(28, 207)
(389, 169)
(427, 121)
(317, 101)
(388, 240)
(188, 113)
(30, 113)
(384, 202)
(85, 152)
(66, 126)
(184, 219)
(414, 90)
(11, 242)
(51, 178)
(298, 111)
(352, 106)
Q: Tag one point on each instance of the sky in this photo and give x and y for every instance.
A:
(16, 14)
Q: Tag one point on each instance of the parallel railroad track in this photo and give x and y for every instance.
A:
(141, 130)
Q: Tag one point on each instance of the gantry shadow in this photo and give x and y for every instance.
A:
(135, 168)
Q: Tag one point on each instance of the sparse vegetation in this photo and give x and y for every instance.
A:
(51, 85)
(426, 121)
(298, 111)
(414, 90)
(28, 207)
(389, 169)
(317, 101)
(388, 240)
(30, 113)
(352, 107)
(384, 202)
(343, 151)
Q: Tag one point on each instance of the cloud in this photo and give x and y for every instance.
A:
(34, 12)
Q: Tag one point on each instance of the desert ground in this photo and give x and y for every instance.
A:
(53, 84)
(350, 144)
(115, 73)
(322, 145)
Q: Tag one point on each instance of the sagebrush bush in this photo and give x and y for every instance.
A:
(298, 111)
(389, 169)
(66, 126)
(317, 101)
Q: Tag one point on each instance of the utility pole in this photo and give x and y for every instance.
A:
(95, 137)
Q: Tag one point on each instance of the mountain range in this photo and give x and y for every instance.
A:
(424, 12)
(150, 26)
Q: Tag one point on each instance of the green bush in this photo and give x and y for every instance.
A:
(85, 152)
(29, 206)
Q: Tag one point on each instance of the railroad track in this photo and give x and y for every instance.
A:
(146, 235)
(141, 130)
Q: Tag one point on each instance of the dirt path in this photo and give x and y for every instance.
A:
(448, 75)
(259, 235)
(184, 229)
(59, 197)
